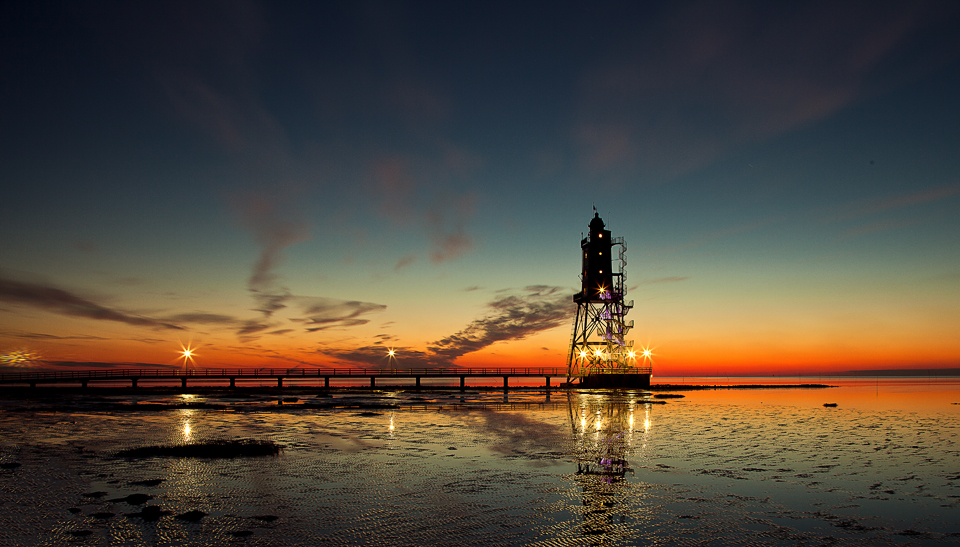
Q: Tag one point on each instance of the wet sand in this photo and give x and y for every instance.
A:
(388, 468)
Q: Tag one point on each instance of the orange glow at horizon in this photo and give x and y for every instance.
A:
(692, 350)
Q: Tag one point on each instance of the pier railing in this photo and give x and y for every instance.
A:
(292, 373)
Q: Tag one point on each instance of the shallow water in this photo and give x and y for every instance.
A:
(715, 467)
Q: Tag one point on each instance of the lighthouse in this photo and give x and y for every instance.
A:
(600, 354)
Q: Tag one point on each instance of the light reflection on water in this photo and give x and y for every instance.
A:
(186, 430)
(587, 468)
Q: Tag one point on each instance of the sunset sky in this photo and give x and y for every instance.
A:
(307, 184)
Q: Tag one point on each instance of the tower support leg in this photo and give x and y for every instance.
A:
(280, 381)
(463, 383)
(373, 382)
(505, 382)
(183, 382)
(326, 381)
(133, 382)
(233, 382)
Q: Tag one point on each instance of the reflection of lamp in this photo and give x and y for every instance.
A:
(602, 427)
(186, 414)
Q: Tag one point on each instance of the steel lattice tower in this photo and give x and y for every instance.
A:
(598, 344)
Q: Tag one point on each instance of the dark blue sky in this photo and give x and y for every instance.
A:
(786, 177)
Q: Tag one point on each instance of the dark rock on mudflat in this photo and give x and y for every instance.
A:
(10, 465)
(74, 510)
(830, 405)
(191, 516)
(80, 533)
(266, 518)
(133, 499)
(914, 533)
(241, 533)
(148, 482)
(219, 448)
(103, 515)
(668, 396)
(150, 513)
(95, 495)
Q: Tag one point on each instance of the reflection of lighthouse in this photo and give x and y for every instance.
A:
(603, 433)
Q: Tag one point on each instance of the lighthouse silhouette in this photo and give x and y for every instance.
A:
(600, 355)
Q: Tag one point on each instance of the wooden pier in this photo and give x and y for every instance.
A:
(137, 377)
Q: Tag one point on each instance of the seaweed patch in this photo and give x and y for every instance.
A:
(218, 448)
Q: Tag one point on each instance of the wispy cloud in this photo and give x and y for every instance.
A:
(399, 183)
(404, 262)
(204, 318)
(274, 228)
(45, 336)
(251, 327)
(216, 90)
(99, 364)
(151, 340)
(210, 76)
(875, 227)
(376, 356)
(325, 313)
(395, 186)
(719, 234)
(446, 222)
(705, 77)
(511, 317)
(888, 203)
(673, 279)
(66, 303)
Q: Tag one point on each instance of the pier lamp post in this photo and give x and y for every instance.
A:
(392, 359)
(187, 354)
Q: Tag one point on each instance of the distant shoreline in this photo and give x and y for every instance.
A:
(916, 372)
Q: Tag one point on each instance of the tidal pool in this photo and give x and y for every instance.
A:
(399, 468)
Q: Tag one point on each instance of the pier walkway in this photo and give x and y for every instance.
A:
(233, 376)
